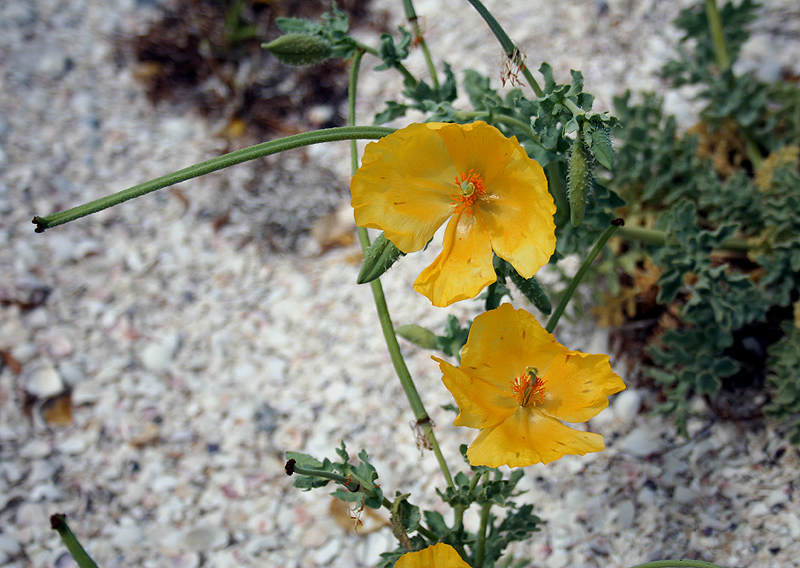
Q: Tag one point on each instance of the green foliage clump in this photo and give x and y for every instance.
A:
(731, 256)
(784, 380)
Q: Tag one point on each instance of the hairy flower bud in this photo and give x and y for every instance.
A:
(380, 257)
(299, 49)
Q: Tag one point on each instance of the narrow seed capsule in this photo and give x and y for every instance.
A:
(299, 49)
(579, 179)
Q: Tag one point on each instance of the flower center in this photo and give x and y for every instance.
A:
(470, 188)
(528, 388)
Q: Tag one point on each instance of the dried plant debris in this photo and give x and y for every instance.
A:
(207, 53)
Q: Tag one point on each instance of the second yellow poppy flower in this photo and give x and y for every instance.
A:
(493, 194)
(518, 385)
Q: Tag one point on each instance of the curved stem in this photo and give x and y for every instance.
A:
(511, 51)
(573, 285)
(501, 119)
(410, 79)
(59, 523)
(212, 165)
(411, 16)
(406, 381)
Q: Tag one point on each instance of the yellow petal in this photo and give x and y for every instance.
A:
(481, 404)
(519, 213)
(529, 437)
(477, 146)
(578, 386)
(464, 267)
(404, 186)
(437, 556)
(503, 342)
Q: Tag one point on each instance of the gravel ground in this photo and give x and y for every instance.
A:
(194, 357)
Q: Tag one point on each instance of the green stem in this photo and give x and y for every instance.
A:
(480, 548)
(715, 27)
(573, 285)
(411, 16)
(347, 482)
(511, 51)
(410, 79)
(677, 564)
(526, 72)
(723, 60)
(574, 109)
(212, 165)
(658, 238)
(501, 119)
(473, 483)
(430, 535)
(458, 510)
(355, 67)
(59, 523)
(406, 381)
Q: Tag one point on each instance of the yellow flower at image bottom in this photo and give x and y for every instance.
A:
(517, 384)
(493, 194)
(437, 556)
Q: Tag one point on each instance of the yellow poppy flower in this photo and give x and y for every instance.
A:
(516, 383)
(437, 556)
(495, 196)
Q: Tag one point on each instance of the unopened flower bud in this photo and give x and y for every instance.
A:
(299, 49)
(380, 257)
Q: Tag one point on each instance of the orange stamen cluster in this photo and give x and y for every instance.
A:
(528, 388)
(470, 187)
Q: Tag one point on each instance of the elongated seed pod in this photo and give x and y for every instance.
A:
(579, 179)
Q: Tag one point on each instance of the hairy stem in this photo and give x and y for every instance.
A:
(212, 165)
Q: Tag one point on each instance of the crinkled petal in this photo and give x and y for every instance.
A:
(481, 404)
(436, 556)
(519, 211)
(529, 437)
(477, 146)
(578, 386)
(464, 267)
(405, 186)
(503, 342)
